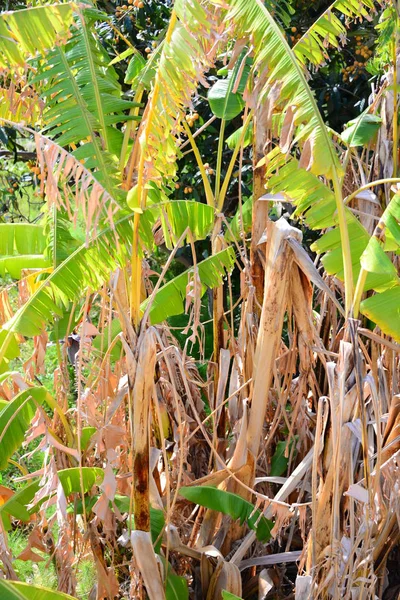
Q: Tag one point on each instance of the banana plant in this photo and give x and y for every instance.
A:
(79, 152)
(119, 184)
(79, 86)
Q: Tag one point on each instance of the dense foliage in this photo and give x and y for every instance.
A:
(199, 322)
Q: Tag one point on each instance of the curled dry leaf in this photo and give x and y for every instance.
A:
(146, 560)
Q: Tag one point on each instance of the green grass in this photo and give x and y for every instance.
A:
(86, 576)
(44, 573)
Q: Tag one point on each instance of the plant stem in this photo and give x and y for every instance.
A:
(259, 218)
(346, 249)
(5, 344)
(136, 273)
(395, 104)
(370, 185)
(219, 161)
(231, 165)
(362, 277)
(207, 187)
(136, 263)
(134, 111)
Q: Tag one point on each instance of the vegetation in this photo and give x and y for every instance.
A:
(199, 302)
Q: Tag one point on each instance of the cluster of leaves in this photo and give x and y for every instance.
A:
(89, 107)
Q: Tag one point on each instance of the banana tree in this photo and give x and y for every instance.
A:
(78, 157)
(110, 164)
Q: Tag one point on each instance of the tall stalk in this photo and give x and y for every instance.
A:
(395, 49)
(136, 263)
(142, 393)
(260, 209)
(346, 248)
(219, 159)
(270, 329)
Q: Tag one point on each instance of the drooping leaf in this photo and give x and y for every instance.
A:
(175, 217)
(14, 265)
(283, 83)
(382, 308)
(135, 67)
(15, 419)
(16, 506)
(87, 433)
(17, 590)
(60, 243)
(28, 32)
(87, 267)
(330, 244)
(229, 504)
(83, 100)
(313, 200)
(282, 11)
(71, 479)
(12, 350)
(375, 260)
(178, 215)
(187, 53)
(329, 30)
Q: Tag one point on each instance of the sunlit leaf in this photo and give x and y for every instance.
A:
(17, 590)
(135, 66)
(360, 131)
(329, 30)
(28, 32)
(224, 103)
(234, 138)
(384, 310)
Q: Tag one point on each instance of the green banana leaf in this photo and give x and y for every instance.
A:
(15, 419)
(230, 504)
(17, 590)
(169, 299)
